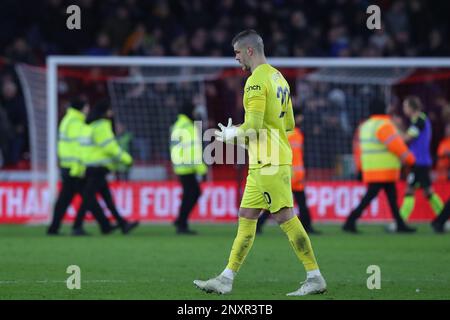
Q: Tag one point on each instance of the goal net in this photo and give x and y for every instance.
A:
(145, 106)
(146, 94)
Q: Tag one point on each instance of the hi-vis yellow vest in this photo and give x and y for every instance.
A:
(69, 132)
(378, 163)
(100, 147)
(186, 148)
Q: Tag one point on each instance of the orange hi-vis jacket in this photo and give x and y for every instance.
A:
(382, 150)
(298, 169)
(443, 162)
(357, 149)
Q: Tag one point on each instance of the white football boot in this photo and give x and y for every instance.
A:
(219, 284)
(313, 285)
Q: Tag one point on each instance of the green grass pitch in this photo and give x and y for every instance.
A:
(153, 263)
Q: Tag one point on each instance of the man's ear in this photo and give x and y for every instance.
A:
(250, 51)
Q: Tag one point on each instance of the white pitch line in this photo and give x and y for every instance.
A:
(59, 281)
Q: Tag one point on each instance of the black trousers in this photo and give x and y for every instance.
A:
(444, 215)
(305, 216)
(70, 187)
(191, 193)
(96, 183)
(372, 191)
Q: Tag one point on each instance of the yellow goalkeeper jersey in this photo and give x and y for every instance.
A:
(267, 93)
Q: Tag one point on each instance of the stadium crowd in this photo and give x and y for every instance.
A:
(182, 28)
(294, 28)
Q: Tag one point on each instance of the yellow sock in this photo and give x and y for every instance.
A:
(407, 207)
(300, 243)
(242, 243)
(436, 203)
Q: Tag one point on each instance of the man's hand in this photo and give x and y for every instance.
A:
(226, 134)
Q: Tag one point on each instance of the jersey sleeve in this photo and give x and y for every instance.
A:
(256, 94)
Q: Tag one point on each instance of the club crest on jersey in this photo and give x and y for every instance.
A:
(254, 87)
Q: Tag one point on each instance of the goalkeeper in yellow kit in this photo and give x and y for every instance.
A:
(268, 118)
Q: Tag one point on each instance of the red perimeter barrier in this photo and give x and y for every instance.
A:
(159, 202)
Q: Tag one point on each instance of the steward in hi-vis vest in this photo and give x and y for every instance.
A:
(186, 153)
(101, 154)
(70, 162)
(186, 150)
(382, 151)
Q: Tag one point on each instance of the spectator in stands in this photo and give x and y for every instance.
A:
(53, 14)
(380, 38)
(436, 47)
(138, 42)
(14, 106)
(102, 47)
(336, 126)
(444, 105)
(397, 17)
(20, 51)
(117, 27)
(314, 111)
(5, 137)
(407, 27)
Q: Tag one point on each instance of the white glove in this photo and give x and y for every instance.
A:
(228, 133)
(241, 143)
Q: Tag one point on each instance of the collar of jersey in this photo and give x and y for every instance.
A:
(261, 66)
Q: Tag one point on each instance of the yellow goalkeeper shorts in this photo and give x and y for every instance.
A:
(268, 188)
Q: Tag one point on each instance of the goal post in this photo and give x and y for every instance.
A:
(348, 74)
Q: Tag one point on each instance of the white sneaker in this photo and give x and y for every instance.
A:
(219, 284)
(313, 285)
